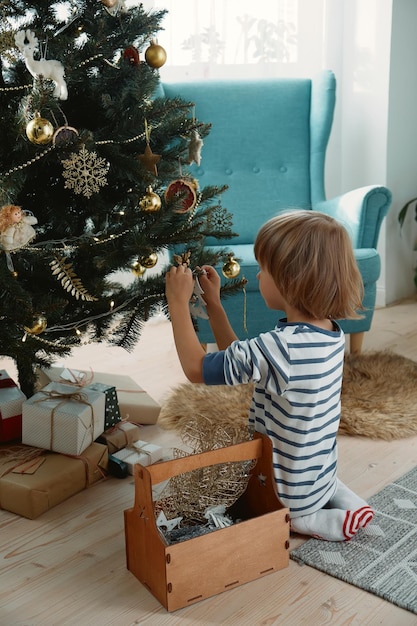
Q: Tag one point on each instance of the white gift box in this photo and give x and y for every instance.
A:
(63, 418)
(139, 452)
(11, 397)
(11, 401)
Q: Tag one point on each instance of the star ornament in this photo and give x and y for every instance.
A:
(163, 522)
(149, 160)
(262, 479)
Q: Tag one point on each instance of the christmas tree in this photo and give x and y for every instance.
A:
(94, 179)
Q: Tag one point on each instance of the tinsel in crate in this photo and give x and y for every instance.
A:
(198, 501)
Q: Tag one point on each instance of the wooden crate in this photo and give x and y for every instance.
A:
(189, 571)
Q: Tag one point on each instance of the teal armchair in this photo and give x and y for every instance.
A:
(268, 143)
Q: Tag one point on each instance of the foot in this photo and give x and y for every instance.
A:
(355, 520)
(333, 524)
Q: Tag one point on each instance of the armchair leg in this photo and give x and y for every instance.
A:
(356, 341)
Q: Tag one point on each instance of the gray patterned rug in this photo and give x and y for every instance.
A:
(381, 558)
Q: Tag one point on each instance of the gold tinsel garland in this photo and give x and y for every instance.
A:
(189, 495)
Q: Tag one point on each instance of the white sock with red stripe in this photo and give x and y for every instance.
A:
(332, 524)
(355, 520)
(340, 520)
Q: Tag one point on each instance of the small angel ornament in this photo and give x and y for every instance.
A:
(194, 149)
(16, 227)
(197, 302)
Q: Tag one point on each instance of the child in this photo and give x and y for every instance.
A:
(308, 270)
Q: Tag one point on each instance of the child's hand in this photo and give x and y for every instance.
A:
(179, 285)
(210, 283)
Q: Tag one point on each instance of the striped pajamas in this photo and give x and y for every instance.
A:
(297, 374)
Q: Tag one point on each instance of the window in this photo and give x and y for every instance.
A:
(241, 39)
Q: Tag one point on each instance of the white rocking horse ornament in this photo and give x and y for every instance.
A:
(28, 44)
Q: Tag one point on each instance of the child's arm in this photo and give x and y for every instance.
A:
(179, 285)
(219, 322)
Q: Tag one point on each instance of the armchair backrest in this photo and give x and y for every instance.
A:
(271, 154)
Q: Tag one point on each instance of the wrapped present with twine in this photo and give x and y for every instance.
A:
(33, 480)
(140, 452)
(120, 436)
(63, 418)
(135, 404)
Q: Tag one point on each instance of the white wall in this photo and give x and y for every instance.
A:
(402, 149)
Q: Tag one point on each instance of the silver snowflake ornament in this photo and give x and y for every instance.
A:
(85, 172)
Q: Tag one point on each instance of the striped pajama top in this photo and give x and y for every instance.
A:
(297, 374)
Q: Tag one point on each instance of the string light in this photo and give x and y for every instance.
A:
(111, 311)
(75, 325)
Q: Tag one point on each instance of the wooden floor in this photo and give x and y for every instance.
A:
(68, 566)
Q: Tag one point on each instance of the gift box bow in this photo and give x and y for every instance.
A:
(61, 398)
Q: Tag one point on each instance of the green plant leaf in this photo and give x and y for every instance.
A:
(403, 212)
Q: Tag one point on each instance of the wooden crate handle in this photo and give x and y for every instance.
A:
(238, 452)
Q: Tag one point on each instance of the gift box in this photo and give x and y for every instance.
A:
(112, 410)
(135, 404)
(120, 436)
(63, 418)
(139, 452)
(11, 400)
(33, 480)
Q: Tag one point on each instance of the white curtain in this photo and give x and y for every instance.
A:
(226, 39)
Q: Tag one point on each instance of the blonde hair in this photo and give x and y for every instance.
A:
(310, 258)
(5, 215)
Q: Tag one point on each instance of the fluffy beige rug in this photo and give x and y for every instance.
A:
(379, 399)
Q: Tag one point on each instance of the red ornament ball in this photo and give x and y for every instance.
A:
(131, 54)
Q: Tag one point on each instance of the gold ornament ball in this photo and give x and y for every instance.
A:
(231, 268)
(109, 3)
(40, 131)
(149, 260)
(150, 201)
(138, 269)
(38, 325)
(155, 55)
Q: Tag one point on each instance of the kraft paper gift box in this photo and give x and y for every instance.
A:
(120, 436)
(135, 404)
(11, 401)
(63, 418)
(32, 486)
(139, 452)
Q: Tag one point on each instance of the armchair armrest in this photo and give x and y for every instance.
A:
(361, 211)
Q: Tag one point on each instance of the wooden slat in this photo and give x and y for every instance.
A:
(239, 452)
